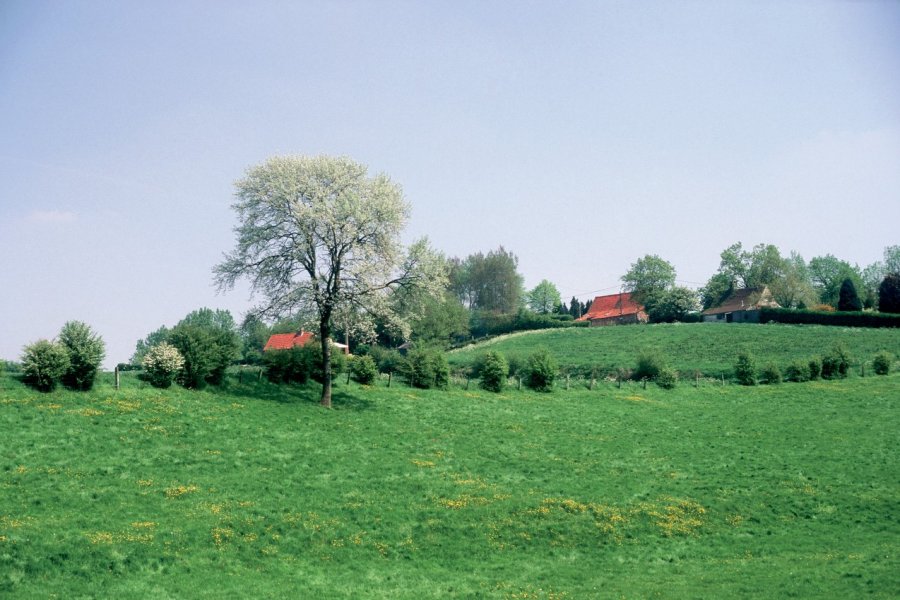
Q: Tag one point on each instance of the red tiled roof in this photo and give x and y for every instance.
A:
(286, 341)
(612, 306)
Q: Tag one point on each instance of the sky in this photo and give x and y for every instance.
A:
(581, 136)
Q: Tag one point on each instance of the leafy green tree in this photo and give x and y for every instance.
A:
(871, 276)
(442, 320)
(86, 351)
(207, 352)
(671, 305)
(793, 289)
(544, 298)
(889, 294)
(253, 337)
(648, 276)
(488, 282)
(319, 235)
(892, 259)
(828, 273)
(848, 299)
(716, 290)
(143, 346)
(43, 364)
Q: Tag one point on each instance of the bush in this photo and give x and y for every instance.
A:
(162, 363)
(43, 364)
(494, 371)
(649, 364)
(363, 369)
(745, 369)
(86, 351)
(882, 362)
(293, 365)
(771, 374)
(207, 352)
(836, 363)
(667, 378)
(797, 371)
(388, 360)
(426, 369)
(541, 371)
(815, 368)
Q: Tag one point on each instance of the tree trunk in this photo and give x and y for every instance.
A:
(324, 333)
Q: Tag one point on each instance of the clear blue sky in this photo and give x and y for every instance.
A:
(580, 136)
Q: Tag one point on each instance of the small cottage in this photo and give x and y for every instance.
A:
(742, 306)
(286, 341)
(615, 309)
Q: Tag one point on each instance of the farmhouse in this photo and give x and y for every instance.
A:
(615, 309)
(742, 306)
(286, 341)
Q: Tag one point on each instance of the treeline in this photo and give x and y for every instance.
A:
(824, 284)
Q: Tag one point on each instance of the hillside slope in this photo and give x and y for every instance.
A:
(708, 348)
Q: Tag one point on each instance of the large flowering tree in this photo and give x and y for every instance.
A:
(319, 236)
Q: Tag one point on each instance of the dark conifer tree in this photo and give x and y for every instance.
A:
(849, 299)
(889, 294)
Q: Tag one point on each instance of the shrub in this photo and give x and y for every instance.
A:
(207, 352)
(86, 351)
(745, 369)
(494, 371)
(43, 364)
(426, 369)
(317, 362)
(541, 371)
(798, 371)
(820, 317)
(815, 368)
(882, 362)
(771, 374)
(364, 369)
(162, 363)
(292, 365)
(388, 360)
(649, 364)
(667, 378)
(836, 363)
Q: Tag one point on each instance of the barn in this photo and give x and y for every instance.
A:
(615, 309)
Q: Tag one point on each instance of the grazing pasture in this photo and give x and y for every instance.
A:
(254, 490)
(709, 348)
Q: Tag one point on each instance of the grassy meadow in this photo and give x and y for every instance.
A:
(253, 490)
(708, 348)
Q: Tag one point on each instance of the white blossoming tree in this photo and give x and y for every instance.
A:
(317, 236)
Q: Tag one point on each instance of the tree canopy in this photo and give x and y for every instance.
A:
(648, 276)
(318, 235)
(544, 298)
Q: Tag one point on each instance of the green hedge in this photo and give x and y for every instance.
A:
(813, 317)
(487, 324)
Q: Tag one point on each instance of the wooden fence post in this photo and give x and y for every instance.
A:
(117, 376)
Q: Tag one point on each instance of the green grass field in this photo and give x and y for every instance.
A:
(256, 491)
(708, 348)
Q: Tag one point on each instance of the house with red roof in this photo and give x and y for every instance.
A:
(286, 341)
(615, 309)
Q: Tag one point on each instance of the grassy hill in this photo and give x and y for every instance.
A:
(708, 348)
(255, 491)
